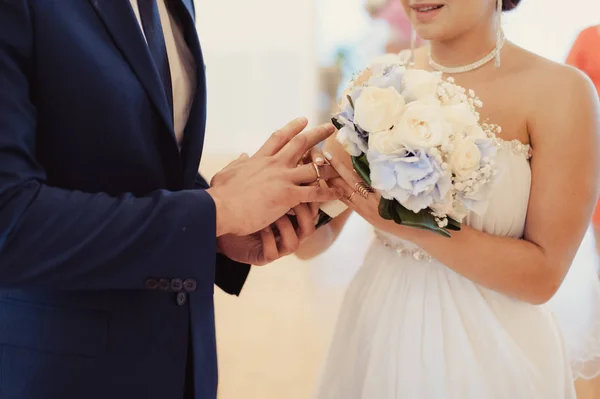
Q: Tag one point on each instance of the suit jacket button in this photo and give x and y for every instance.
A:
(151, 284)
(164, 284)
(181, 298)
(176, 284)
(189, 285)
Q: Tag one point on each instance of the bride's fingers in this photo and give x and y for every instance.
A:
(348, 181)
(345, 172)
(317, 156)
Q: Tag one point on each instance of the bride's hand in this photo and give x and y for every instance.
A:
(366, 206)
(348, 180)
(326, 172)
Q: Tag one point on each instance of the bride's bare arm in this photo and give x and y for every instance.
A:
(563, 132)
(323, 238)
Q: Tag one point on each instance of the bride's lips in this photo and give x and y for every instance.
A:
(426, 12)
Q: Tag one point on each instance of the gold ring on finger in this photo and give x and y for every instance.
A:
(351, 195)
(318, 172)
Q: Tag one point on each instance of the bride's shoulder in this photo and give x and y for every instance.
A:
(548, 80)
(562, 99)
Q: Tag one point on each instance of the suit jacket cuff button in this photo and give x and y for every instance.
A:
(151, 284)
(164, 284)
(189, 285)
(176, 285)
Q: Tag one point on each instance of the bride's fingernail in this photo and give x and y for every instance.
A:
(328, 156)
(318, 159)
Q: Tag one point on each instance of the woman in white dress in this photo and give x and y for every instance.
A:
(428, 317)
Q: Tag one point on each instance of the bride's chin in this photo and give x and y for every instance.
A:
(433, 32)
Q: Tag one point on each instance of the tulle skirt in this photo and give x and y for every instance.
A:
(416, 329)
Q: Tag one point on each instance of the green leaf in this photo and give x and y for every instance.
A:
(396, 216)
(422, 220)
(453, 225)
(385, 209)
(337, 125)
(322, 219)
(361, 166)
(392, 210)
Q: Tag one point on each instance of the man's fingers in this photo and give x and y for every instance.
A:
(309, 194)
(269, 245)
(308, 173)
(306, 220)
(293, 151)
(289, 240)
(281, 137)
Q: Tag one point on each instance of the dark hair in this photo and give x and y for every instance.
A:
(508, 5)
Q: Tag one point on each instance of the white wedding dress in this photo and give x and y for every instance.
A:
(412, 328)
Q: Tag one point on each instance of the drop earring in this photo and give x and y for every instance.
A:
(413, 44)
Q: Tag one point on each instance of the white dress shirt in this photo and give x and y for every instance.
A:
(181, 65)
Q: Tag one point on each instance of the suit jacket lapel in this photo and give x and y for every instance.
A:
(189, 5)
(124, 28)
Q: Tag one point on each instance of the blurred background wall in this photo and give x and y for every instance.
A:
(261, 64)
(269, 61)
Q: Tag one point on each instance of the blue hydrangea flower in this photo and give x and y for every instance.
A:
(416, 180)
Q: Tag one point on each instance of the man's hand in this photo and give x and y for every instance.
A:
(271, 243)
(252, 193)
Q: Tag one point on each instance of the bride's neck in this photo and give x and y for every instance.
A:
(464, 49)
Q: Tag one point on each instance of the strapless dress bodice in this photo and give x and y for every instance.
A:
(506, 211)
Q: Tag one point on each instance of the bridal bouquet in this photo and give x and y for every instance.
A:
(417, 140)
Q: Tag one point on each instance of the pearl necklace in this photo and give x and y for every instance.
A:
(467, 68)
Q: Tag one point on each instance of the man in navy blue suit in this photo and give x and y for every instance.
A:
(110, 240)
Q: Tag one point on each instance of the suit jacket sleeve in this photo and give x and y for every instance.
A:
(62, 239)
(230, 275)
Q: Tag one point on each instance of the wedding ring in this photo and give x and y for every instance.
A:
(363, 189)
(351, 195)
(318, 172)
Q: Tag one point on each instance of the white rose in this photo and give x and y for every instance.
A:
(351, 142)
(461, 116)
(458, 212)
(387, 143)
(476, 132)
(445, 207)
(423, 126)
(376, 109)
(465, 158)
(419, 84)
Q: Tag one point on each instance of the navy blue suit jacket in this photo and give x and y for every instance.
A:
(102, 218)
